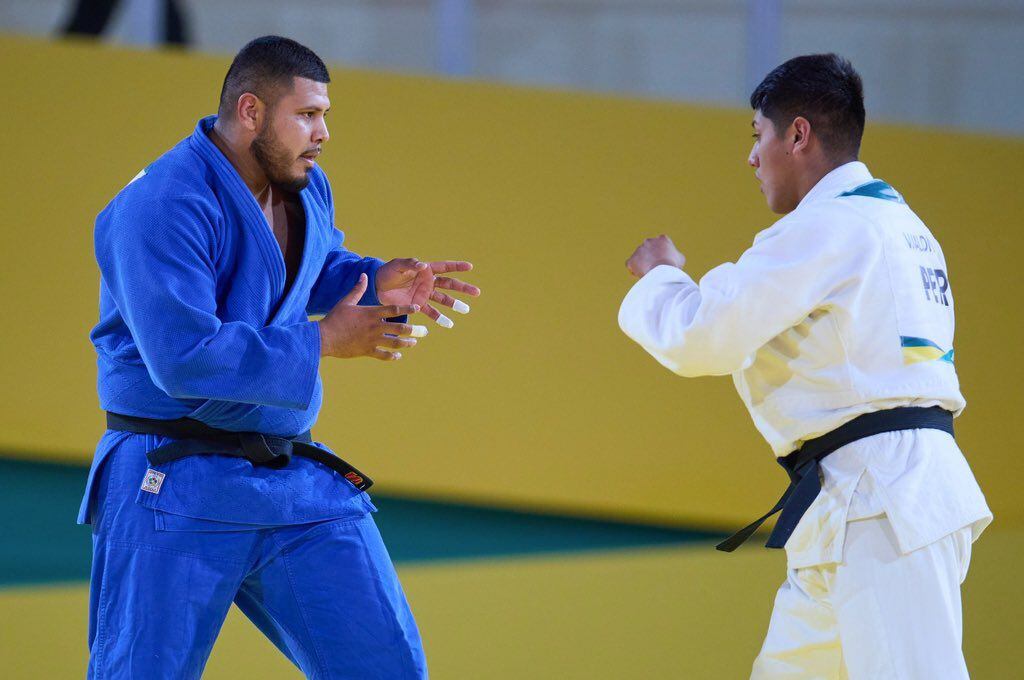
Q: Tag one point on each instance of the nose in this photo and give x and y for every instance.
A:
(321, 135)
(753, 160)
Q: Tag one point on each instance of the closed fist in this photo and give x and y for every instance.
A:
(653, 252)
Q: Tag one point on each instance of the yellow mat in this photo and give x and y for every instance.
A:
(666, 613)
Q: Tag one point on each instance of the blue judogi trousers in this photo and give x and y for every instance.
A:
(325, 593)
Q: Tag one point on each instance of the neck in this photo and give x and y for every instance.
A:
(814, 172)
(235, 148)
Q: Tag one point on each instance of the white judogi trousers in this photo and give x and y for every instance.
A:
(877, 615)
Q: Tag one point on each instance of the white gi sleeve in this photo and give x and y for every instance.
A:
(712, 327)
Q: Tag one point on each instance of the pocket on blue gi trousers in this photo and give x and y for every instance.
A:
(166, 521)
(324, 592)
(157, 598)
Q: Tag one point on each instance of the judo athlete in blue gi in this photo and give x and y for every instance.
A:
(207, 489)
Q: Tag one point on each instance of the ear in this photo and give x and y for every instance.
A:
(249, 111)
(801, 131)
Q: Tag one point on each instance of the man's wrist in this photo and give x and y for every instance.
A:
(326, 338)
(372, 295)
(655, 265)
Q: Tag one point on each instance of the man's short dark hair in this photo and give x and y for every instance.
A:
(266, 67)
(823, 88)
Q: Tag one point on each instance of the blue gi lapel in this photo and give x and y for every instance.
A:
(251, 212)
(307, 252)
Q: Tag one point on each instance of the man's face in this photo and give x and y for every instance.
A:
(293, 135)
(774, 165)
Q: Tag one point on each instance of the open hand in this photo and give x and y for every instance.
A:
(408, 281)
(349, 330)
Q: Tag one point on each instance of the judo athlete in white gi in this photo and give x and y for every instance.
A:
(206, 488)
(837, 328)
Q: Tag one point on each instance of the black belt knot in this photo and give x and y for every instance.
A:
(803, 466)
(193, 438)
(274, 452)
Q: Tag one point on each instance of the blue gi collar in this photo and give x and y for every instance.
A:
(222, 167)
(229, 178)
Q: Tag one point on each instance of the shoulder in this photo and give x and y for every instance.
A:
(824, 229)
(175, 185)
(831, 217)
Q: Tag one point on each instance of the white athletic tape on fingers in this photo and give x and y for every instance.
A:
(461, 307)
(418, 332)
(444, 321)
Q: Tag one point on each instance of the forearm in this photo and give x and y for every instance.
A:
(338, 276)
(274, 366)
(662, 313)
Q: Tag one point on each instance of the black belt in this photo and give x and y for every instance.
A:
(192, 437)
(802, 465)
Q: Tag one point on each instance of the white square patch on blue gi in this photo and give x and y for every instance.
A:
(152, 481)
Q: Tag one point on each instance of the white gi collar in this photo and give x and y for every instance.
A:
(843, 178)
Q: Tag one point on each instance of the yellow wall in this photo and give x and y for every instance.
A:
(536, 397)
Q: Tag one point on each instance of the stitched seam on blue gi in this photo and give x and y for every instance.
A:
(383, 599)
(323, 528)
(171, 551)
(278, 616)
(101, 623)
(317, 655)
(102, 529)
(108, 462)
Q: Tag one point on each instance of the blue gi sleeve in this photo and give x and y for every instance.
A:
(340, 272)
(157, 258)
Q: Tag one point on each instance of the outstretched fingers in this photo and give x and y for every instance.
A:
(404, 330)
(389, 311)
(445, 266)
(437, 316)
(448, 301)
(392, 342)
(448, 283)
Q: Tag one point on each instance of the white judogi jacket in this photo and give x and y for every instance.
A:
(842, 307)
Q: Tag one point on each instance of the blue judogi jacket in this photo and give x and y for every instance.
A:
(195, 322)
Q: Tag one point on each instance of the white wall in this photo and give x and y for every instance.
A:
(937, 62)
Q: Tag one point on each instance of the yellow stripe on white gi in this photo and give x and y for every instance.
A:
(913, 355)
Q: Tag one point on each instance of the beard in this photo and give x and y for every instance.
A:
(277, 162)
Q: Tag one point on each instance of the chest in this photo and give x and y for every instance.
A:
(267, 258)
(287, 221)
